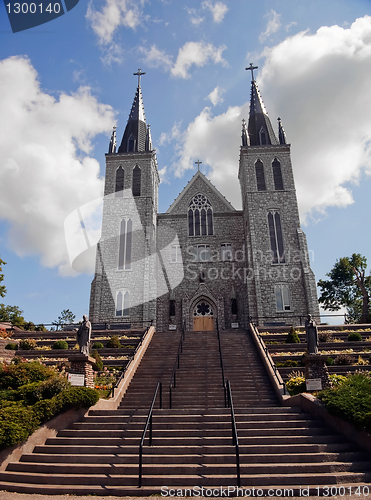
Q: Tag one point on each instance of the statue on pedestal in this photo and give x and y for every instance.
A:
(312, 335)
(83, 335)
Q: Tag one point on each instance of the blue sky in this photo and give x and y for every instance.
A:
(63, 85)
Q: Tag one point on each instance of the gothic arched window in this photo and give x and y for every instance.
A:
(260, 178)
(200, 216)
(122, 303)
(137, 173)
(126, 228)
(119, 187)
(277, 175)
(282, 298)
(275, 236)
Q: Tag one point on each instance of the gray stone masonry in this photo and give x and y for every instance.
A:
(315, 367)
(83, 365)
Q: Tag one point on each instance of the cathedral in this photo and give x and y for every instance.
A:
(202, 261)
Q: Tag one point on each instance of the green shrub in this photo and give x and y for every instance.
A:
(19, 373)
(344, 359)
(330, 361)
(287, 363)
(351, 400)
(17, 423)
(40, 328)
(78, 397)
(27, 344)
(325, 336)
(98, 365)
(337, 379)
(296, 384)
(113, 342)
(98, 345)
(51, 387)
(12, 347)
(60, 344)
(292, 337)
(354, 337)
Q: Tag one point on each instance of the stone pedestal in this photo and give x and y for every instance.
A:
(83, 365)
(315, 368)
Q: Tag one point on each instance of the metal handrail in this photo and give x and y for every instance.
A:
(234, 434)
(148, 423)
(221, 364)
(172, 384)
(273, 366)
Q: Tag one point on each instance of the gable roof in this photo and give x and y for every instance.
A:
(199, 176)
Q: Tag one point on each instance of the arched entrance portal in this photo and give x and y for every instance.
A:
(203, 317)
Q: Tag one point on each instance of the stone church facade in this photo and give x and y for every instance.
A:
(202, 261)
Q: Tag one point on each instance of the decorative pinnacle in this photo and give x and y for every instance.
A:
(198, 162)
(251, 68)
(139, 74)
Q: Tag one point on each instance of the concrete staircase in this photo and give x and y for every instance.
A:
(192, 442)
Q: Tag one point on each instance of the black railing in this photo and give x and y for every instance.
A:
(172, 384)
(148, 424)
(234, 433)
(115, 386)
(273, 366)
(221, 364)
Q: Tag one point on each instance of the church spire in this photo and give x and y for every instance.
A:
(135, 137)
(260, 128)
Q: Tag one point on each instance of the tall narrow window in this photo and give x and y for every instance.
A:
(136, 180)
(282, 298)
(126, 310)
(190, 223)
(176, 253)
(131, 143)
(119, 187)
(277, 175)
(276, 239)
(200, 217)
(119, 304)
(203, 222)
(125, 244)
(262, 136)
(260, 179)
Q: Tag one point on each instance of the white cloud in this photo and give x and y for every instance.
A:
(217, 9)
(196, 19)
(216, 96)
(156, 58)
(44, 152)
(174, 134)
(114, 13)
(273, 25)
(192, 53)
(196, 53)
(319, 85)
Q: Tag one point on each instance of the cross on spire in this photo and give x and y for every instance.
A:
(198, 163)
(251, 68)
(139, 74)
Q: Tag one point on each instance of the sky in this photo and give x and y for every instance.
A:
(66, 83)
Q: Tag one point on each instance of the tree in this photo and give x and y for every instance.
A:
(2, 287)
(66, 317)
(12, 314)
(348, 286)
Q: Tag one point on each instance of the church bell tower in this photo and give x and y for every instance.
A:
(280, 283)
(124, 285)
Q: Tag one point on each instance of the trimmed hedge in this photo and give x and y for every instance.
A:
(60, 344)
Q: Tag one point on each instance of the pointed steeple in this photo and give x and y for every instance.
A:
(136, 133)
(112, 143)
(245, 137)
(260, 128)
(149, 139)
(281, 132)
